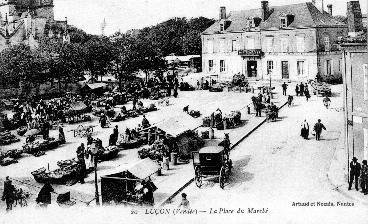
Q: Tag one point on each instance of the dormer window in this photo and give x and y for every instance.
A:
(250, 22)
(283, 22)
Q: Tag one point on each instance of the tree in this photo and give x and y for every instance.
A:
(23, 65)
(126, 59)
(98, 56)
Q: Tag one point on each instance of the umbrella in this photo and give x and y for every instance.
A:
(32, 132)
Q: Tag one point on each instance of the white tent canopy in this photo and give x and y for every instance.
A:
(177, 125)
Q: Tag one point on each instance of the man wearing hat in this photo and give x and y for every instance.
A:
(184, 201)
(226, 144)
(8, 194)
(318, 129)
(354, 173)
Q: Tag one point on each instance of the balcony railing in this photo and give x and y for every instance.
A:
(250, 52)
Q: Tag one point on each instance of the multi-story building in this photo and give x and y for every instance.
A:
(27, 21)
(293, 42)
(355, 86)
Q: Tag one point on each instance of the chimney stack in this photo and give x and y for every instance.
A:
(354, 15)
(222, 12)
(265, 10)
(329, 9)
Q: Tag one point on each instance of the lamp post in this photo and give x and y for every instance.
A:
(95, 154)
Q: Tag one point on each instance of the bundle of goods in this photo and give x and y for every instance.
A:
(22, 130)
(58, 176)
(216, 88)
(206, 121)
(109, 153)
(10, 157)
(155, 152)
(321, 88)
(83, 118)
(131, 144)
(99, 111)
(205, 134)
(188, 142)
(152, 107)
(66, 163)
(7, 161)
(233, 119)
(6, 138)
(39, 146)
(118, 118)
(184, 86)
(194, 113)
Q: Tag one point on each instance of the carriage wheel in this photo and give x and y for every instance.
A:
(198, 177)
(222, 177)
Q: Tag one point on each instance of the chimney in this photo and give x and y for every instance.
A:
(265, 10)
(329, 9)
(354, 15)
(222, 12)
(314, 2)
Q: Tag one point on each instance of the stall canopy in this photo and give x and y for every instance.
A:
(95, 86)
(140, 170)
(178, 125)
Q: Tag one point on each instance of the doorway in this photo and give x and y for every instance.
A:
(285, 69)
(252, 68)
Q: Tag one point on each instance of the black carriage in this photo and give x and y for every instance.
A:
(210, 163)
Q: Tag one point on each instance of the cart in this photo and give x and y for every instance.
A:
(83, 131)
(210, 163)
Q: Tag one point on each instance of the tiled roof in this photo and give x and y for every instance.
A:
(305, 15)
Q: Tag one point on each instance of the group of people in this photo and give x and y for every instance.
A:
(318, 128)
(359, 171)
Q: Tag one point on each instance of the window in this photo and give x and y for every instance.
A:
(250, 23)
(328, 67)
(234, 46)
(339, 65)
(327, 43)
(283, 22)
(221, 27)
(269, 44)
(210, 46)
(269, 67)
(365, 73)
(250, 43)
(210, 65)
(300, 44)
(300, 68)
(222, 66)
(284, 44)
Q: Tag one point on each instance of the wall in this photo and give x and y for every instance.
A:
(333, 34)
(336, 59)
(356, 109)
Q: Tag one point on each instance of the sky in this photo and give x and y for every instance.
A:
(122, 15)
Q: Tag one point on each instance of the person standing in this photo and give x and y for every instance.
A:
(354, 173)
(284, 88)
(304, 129)
(116, 134)
(307, 94)
(364, 177)
(44, 196)
(8, 194)
(301, 89)
(326, 102)
(81, 163)
(226, 144)
(61, 135)
(297, 90)
(198, 85)
(318, 127)
(184, 201)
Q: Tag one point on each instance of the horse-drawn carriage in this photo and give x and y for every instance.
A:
(210, 163)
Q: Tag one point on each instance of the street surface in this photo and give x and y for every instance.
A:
(276, 167)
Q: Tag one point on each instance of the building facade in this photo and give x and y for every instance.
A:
(355, 76)
(28, 21)
(293, 42)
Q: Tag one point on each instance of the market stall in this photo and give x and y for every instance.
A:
(76, 113)
(132, 186)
